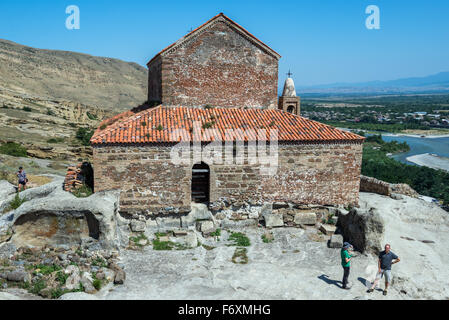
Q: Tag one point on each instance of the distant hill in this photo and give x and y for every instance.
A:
(96, 81)
(430, 84)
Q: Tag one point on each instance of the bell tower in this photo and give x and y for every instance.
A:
(289, 102)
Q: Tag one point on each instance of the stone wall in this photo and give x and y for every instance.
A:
(219, 67)
(373, 185)
(325, 174)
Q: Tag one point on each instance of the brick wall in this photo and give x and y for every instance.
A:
(155, 80)
(219, 67)
(327, 174)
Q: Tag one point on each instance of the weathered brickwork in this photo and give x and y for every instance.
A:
(217, 67)
(326, 174)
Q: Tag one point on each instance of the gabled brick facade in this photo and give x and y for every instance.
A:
(219, 64)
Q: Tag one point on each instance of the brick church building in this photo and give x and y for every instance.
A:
(220, 77)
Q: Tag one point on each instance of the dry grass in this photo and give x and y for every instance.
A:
(34, 181)
(39, 180)
(317, 237)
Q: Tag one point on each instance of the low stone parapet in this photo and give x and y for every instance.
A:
(373, 185)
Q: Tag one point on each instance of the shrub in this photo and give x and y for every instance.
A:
(266, 240)
(216, 233)
(16, 203)
(159, 128)
(91, 116)
(55, 140)
(84, 135)
(61, 276)
(13, 149)
(50, 112)
(27, 109)
(97, 284)
(38, 286)
(83, 192)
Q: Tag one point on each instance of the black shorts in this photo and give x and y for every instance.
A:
(23, 183)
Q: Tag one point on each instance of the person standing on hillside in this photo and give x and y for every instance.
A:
(22, 176)
(346, 263)
(386, 259)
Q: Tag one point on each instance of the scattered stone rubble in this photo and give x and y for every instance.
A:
(51, 272)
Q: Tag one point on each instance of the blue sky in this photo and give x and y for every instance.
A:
(320, 41)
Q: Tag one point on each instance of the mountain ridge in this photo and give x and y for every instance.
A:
(108, 83)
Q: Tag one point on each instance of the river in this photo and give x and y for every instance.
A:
(431, 152)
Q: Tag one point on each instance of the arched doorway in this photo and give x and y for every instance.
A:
(291, 109)
(200, 183)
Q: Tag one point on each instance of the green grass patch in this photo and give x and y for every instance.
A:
(239, 239)
(55, 140)
(83, 192)
(97, 283)
(47, 269)
(267, 240)
(329, 220)
(137, 239)
(166, 245)
(13, 149)
(216, 233)
(99, 262)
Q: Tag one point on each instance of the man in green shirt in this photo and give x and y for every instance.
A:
(346, 263)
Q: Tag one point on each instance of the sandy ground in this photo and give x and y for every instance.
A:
(431, 161)
(295, 267)
(428, 136)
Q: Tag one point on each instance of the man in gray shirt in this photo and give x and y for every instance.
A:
(386, 259)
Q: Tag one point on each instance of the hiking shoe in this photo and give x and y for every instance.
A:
(385, 292)
(370, 290)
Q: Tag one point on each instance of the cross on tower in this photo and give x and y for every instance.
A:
(289, 74)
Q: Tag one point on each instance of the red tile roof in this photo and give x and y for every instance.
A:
(155, 125)
(238, 27)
